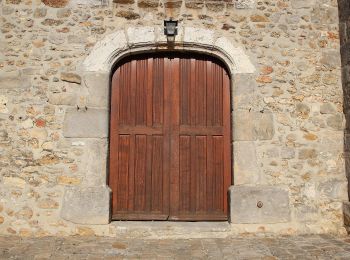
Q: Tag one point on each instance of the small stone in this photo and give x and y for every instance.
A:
(63, 13)
(264, 79)
(298, 4)
(148, 3)
(55, 3)
(215, 7)
(14, 181)
(85, 231)
(67, 180)
(266, 70)
(302, 110)
(11, 231)
(119, 245)
(307, 154)
(259, 19)
(194, 4)
(40, 12)
(1, 207)
(48, 159)
(51, 22)
(70, 77)
(24, 213)
(48, 204)
(129, 15)
(335, 122)
(1, 220)
(40, 122)
(14, 2)
(38, 43)
(327, 108)
(310, 137)
(287, 153)
(124, 1)
(237, 18)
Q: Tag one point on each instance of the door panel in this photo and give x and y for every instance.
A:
(170, 145)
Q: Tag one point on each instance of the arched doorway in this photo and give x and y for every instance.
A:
(170, 138)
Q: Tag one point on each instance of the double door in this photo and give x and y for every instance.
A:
(170, 145)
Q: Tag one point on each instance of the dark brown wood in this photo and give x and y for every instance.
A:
(170, 139)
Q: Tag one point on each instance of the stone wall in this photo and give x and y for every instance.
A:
(288, 115)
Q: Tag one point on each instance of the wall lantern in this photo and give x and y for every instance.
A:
(170, 30)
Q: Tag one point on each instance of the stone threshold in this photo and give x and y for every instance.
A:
(170, 229)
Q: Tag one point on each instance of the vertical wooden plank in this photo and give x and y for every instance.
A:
(132, 88)
(158, 91)
(202, 172)
(210, 173)
(148, 181)
(131, 182)
(227, 136)
(194, 188)
(114, 134)
(123, 172)
(185, 82)
(149, 92)
(201, 93)
(140, 172)
(193, 93)
(157, 174)
(174, 143)
(185, 173)
(210, 94)
(166, 84)
(218, 195)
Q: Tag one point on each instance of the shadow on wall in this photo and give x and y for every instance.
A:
(344, 33)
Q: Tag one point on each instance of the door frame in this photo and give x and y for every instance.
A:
(177, 54)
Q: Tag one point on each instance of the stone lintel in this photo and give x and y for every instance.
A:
(245, 202)
(90, 123)
(86, 205)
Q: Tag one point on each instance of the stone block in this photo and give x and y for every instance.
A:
(245, 202)
(97, 85)
(241, 61)
(103, 51)
(245, 163)
(299, 4)
(198, 35)
(90, 205)
(14, 80)
(91, 123)
(334, 189)
(244, 84)
(251, 126)
(245, 4)
(141, 35)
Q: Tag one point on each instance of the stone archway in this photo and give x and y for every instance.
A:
(89, 203)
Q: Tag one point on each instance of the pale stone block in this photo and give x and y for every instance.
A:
(14, 80)
(245, 163)
(90, 205)
(97, 85)
(86, 123)
(250, 126)
(94, 162)
(245, 4)
(298, 4)
(104, 51)
(139, 35)
(198, 35)
(245, 202)
(238, 57)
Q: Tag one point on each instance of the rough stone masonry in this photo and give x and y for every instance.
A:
(288, 119)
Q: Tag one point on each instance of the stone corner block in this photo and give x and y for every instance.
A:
(91, 123)
(241, 61)
(101, 58)
(252, 126)
(89, 205)
(245, 202)
(141, 35)
(14, 80)
(97, 85)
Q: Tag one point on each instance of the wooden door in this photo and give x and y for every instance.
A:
(170, 145)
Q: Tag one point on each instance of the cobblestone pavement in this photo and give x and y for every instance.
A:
(267, 248)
